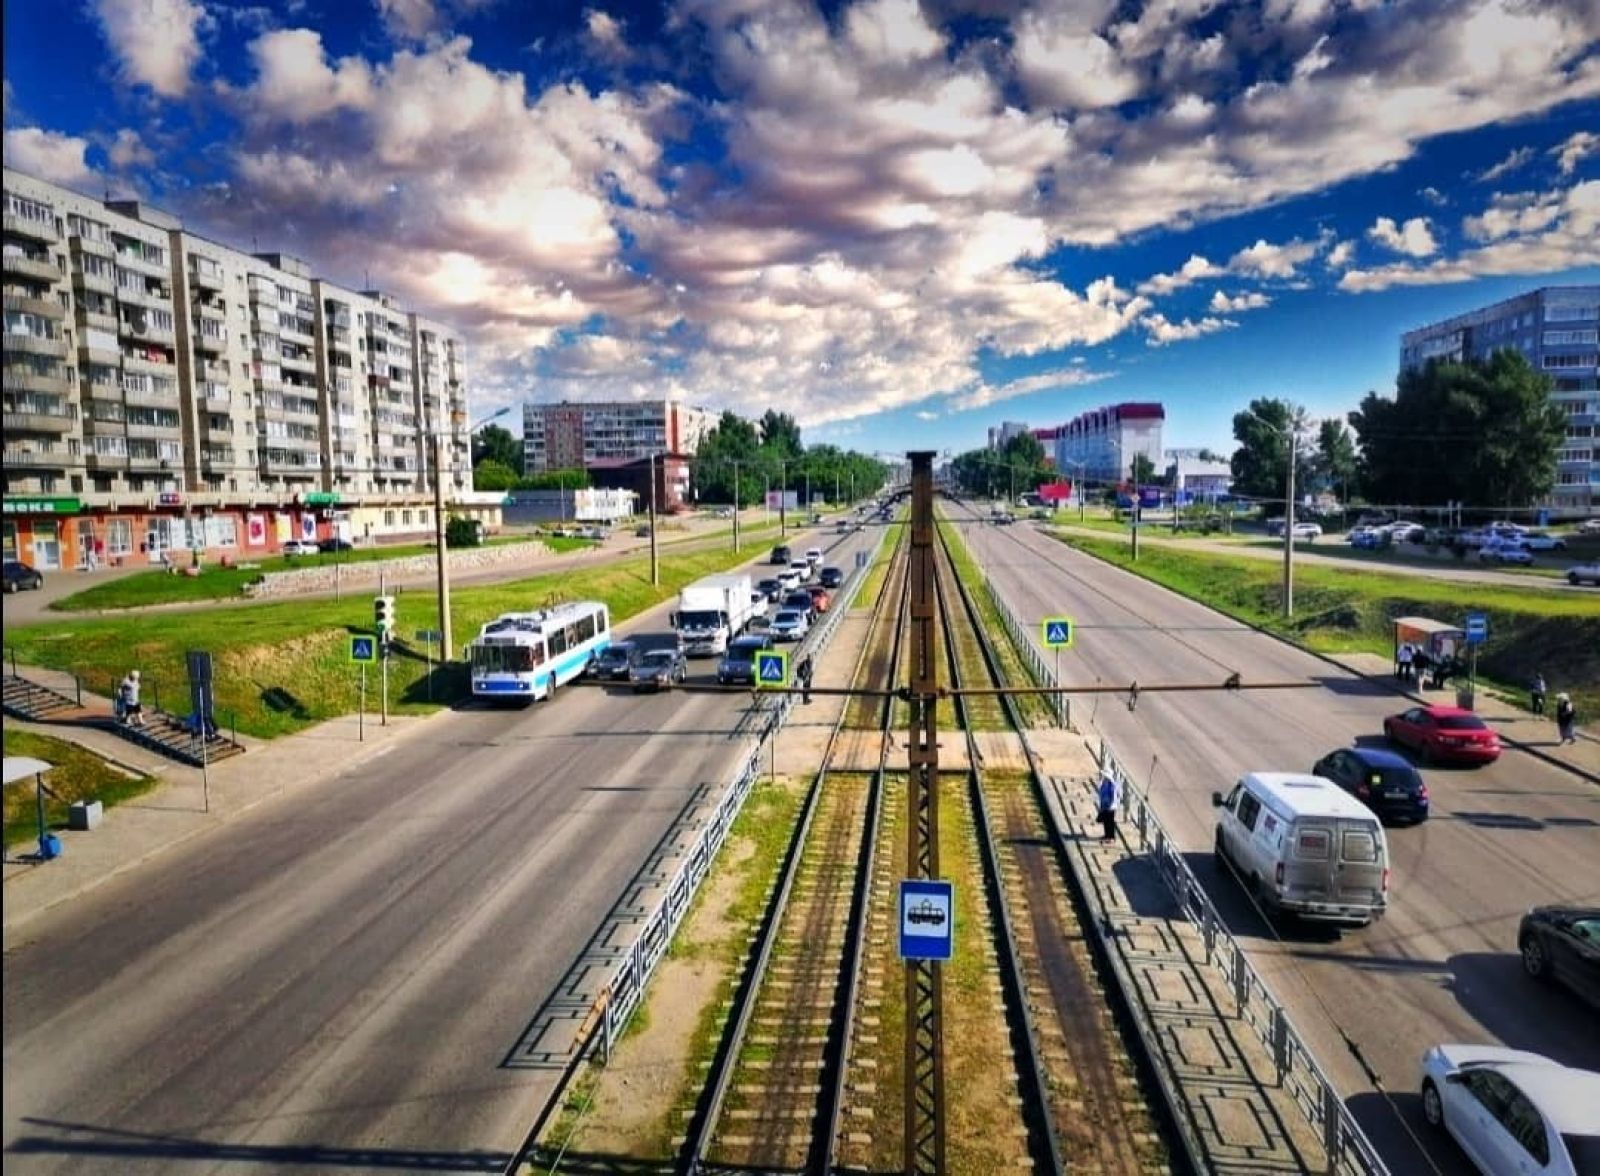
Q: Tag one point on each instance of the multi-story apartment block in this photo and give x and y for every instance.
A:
(164, 391)
(1558, 329)
(571, 435)
(1004, 431)
(1100, 445)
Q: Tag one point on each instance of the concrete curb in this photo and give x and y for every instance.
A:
(1332, 660)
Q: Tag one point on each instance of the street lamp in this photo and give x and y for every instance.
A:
(1079, 466)
(442, 561)
(1291, 435)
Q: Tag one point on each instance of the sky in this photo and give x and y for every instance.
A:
(899, 222)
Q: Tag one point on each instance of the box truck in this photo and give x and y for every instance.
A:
(712, 612)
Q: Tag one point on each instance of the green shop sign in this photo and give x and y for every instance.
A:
(320, 498)
(41, 506)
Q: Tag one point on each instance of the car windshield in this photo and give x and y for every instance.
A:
(787, 618)
(616, 653)
(1462, 723)
(746, 647)
(1397, 778)
(656, 658)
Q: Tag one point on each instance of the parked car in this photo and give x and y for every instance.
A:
(831, 578)
(1562, 943)
(657, 669)
(642, 531)
(1588, 573)
(1505, 551)
(1444, 733)
(1406, 532)
(336, 544)
(1589, 527)
(821, 601)
(771, 588)
(781, 556)
(802, 601)
(789, 625)
(1383, 781)
(1513, 1111)
(1310, 532)
(613, 662)
(598, 532)
(738, 665)
(299, 547)
(725, 512)
(1541, 541)
(19, 576)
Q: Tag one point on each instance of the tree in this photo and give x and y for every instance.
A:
(1262, 459)
(462, 532)
(1474, 431)
(492, 443)
(490, 474)
(556, 480)
(1142, 470)
(780, 434)
(1336, 460)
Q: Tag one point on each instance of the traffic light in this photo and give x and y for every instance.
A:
(383, 615)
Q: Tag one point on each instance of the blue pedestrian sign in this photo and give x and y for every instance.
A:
(364, 648)
(772, 670)
(1058, 632)
(1477, 628)
(927, 919)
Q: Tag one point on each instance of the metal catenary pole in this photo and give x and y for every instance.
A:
(655, 557)
(735, 506)
(361, 711)
(924, 1073)
(1288, 526)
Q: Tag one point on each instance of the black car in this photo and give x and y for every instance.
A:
(19, 576)
(613, 662)
(771, 589)
(831, 578)
(331, 545)
(780, 557)
(800, 602)
(1563, 943)
(658, 669)
(738, 665)
(1382, 780)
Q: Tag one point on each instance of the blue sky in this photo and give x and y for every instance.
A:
(900, 222)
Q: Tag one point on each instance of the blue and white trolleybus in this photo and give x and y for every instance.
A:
(526, 655)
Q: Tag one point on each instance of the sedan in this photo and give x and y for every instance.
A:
(831, 578)
(1513, 1111)
(613, 663)
(738, 665)
(299, 547)
(770, 588)
(1563, 944)
(802, 569)
(1588, 573)
(1307, 531)
(658, 669)
(789, 625)
(336, 544)
(1505, 551)
(1444, 733)
(814, 556)
(1380, 779)
(801, 601)
(19, 576)
(1539, 541)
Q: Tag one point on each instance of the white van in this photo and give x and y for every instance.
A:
(1303, 844)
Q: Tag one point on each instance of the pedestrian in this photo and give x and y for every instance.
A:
(1421, 662)
(803, 673)
(1536, 693)
(1404, 661)
(1108, 796)
(1566, 718)
(128, 696)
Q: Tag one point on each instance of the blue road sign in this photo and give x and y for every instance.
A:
(1058, 632)
(364, 648)
(927, 919)
(1477, 628)
(772, 670)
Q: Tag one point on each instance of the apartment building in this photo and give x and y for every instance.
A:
(569, 435)
(1100, 445)
(167, 393)
(1003, 432)
(1558, 329)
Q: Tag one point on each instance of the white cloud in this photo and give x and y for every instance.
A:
(1514, 160)
(1515, 214)
(1414, 238)
(1163, 331)
(1071, 69)
(923, 414)
(605, 37)
(1576, 147)
(157, 42)
(984, 395)
(295, 82)
(128, 151)
(1196, 269)
(409, 19)
(1569, 236)
(1341, 255)
(1266, 260)
(1434, 197)
(49, 155)
(1250, 300)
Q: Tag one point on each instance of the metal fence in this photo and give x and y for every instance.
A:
(1347, 1147)
(1022, 641)
(626, 987)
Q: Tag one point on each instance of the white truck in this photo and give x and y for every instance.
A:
(712, 612)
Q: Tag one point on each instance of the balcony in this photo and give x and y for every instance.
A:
(299, 363)
(99, 246)
(43, 307)
(148, 333)
(138, 260)
(173, 432)
(338, 339)
(205, 277)
(106, 461)
(36, 345)
(153, 461)
(96, 320)
(36, 457)
(40, 269)
(33, 230)
(22, 378)
(162, 366)
(25, 421)
(209, 344)
(149, 398)
(217, 458)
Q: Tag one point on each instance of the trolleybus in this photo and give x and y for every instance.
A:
(526, 655)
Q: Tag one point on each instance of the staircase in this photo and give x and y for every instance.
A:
(163, 733)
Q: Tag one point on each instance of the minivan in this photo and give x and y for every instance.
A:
(780, 556)
(1303, 845)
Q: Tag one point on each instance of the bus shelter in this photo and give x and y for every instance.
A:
(17, 769)
(1443, 642)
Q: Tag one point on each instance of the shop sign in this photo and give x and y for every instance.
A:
(169, 498)
(320, 498)
(42, 505)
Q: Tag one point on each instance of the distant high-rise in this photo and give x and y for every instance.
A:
(1558, 329)
(1003, 432)
(576, 434)
(1100, 445)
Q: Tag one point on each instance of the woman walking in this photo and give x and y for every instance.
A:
(1566, 718)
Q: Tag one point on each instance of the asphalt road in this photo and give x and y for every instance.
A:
(334, 982)
(1442, 965)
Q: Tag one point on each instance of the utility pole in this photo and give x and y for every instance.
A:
(655, 561)
(1288, 524)
(736, 506)
(442, 563)
(783, 498)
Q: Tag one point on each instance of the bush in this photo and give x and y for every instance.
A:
(459, 532)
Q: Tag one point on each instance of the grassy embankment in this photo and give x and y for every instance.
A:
(77, 774)
(282, 666)
(1338, 610)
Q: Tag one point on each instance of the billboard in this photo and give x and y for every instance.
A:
(781, 500)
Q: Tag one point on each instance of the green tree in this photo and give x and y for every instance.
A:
(1475, 431)
(1336, 459)
(556, 480)
(1142, 470)
(492, 443)
(1262, 459)
(780, 434)
(489, 474)
(462, 532)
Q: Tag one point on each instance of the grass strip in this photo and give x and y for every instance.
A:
(77, 774)
(1032, 708)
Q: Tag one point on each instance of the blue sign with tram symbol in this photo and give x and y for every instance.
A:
(1477, 628)
(772, 670)
(927, 919)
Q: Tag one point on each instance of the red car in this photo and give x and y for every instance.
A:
(1444, 733)
(820, 600)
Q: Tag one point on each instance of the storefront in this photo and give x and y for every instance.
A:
(42, 532)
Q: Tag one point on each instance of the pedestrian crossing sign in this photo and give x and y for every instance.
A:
(772, 670)
(363, 648)
(1058, 632)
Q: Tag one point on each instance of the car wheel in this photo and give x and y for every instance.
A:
(1221, 846)
(1572, 579)
(1432, 1107)
(1534, 962)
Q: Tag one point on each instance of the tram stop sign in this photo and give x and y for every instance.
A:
(772, 670)
(1477, 628)
(1058, 632)
(927, 919)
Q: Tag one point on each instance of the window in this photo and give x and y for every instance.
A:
(388, 518)
(1569, 361)
(1358, 845)
(1311, 845)
(1570, 314)
(405, 518)
(29, 210)
(222, 531)
(557, 642)
(119, 536)
(1525, 1125)
(1249, 811)
(1556, 338)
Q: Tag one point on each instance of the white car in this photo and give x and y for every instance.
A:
(1512, 1111)
(1307, 531)
(1539, 541)
(1590, 526)
(1588, 573)
(1505, 551)
(760, 606)
(814, 556)
(299, 547)
(789, 625)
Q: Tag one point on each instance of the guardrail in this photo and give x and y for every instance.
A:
(1346, 1145)
(1021, 640)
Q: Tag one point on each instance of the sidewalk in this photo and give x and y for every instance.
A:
(1518, 728)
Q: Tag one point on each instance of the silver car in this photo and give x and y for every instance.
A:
(789, 625)
(1513, 1111)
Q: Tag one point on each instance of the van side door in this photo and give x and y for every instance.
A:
(1359, 866)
